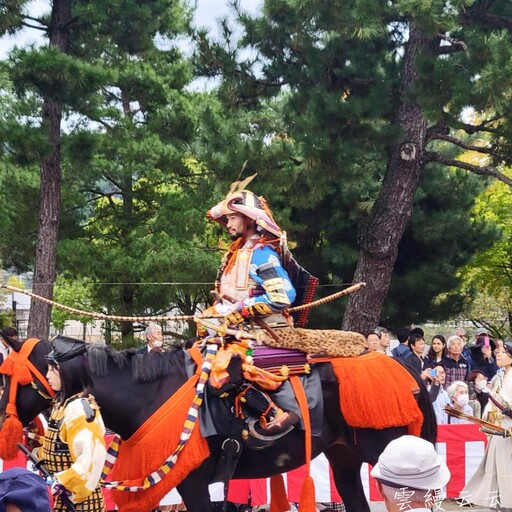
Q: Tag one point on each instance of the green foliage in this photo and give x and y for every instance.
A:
(488, 275)
(332, 71)
(53, 74)
(309, 97)
(11, 16)
(428, 259)
(77, 294)
(8, 316)
(18, 223)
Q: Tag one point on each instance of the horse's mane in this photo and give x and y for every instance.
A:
(145, 367)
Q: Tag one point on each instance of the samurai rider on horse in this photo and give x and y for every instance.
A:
(253, 291)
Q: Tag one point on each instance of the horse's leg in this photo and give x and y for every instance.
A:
(346, 470)
(371, 443)
(194, 490)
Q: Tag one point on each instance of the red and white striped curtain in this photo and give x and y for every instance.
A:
(462, 446)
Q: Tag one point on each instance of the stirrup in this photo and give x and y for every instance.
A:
(276, 429)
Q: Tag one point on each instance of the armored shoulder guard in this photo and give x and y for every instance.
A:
(90, 409)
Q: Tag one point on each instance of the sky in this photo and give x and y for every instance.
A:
(207, 14)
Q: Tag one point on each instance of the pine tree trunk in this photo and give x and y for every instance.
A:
(380, 235)
(126, 294)
(126, 302)
(50, 200)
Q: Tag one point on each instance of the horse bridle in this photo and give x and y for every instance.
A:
(23, 372)
(40, 392)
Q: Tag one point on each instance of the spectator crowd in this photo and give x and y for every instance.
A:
(456, 372)
(475, 380)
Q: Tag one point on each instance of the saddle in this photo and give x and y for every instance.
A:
(281, 361)
(234, 411)
(277, 354)
(283, 353)
(247, 410)
(268, 371)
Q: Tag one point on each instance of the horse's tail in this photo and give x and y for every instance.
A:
(429, 427)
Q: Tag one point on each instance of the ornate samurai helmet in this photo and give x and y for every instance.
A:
(245, 202)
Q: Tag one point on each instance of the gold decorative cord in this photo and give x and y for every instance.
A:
(103, 316)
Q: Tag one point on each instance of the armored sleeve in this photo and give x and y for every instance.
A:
(84, 436)
(277, 291)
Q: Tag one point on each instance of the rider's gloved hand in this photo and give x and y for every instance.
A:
(202, 331)
(235, 317)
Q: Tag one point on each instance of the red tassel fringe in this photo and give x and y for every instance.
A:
(278, 498)
(307, 496)
(10, 435)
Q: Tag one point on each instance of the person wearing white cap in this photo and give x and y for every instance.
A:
(410, 475)
(481, 331)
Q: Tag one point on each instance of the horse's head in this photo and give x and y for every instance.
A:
(26, 392)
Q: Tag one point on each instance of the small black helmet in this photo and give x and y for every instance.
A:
(64, 349)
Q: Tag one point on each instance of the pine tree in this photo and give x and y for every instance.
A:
(57, 28)
(373, 94)
(128, 121)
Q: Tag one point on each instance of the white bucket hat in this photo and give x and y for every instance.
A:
(410, 461)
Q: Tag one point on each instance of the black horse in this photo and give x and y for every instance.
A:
(125, 406)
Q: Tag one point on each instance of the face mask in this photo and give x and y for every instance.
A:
(158, 343)
(463, 400)
(480, 384)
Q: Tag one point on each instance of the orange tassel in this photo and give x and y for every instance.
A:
(10, 435)
(278, 499)
(307, 501)
(391, 404)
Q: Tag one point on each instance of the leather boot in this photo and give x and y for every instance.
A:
(273, 421)
(280, 422)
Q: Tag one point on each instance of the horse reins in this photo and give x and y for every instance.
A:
(143, 483)
(40, 392)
